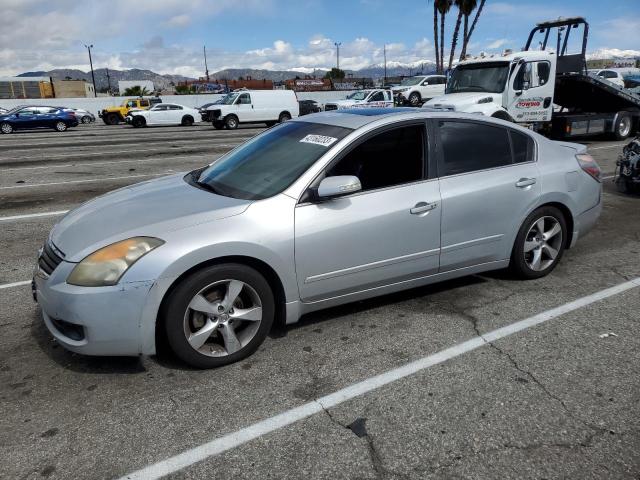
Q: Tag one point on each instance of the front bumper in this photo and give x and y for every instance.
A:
(95, 320)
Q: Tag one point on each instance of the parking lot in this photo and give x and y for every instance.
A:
(552, 398)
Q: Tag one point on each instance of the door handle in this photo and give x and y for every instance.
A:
(525, 182)
(422, 207)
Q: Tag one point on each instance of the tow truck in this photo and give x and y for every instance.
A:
(550, 91)
(375, 98)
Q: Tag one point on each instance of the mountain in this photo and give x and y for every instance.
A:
(274, 75)
(614, 53)
(159, 81)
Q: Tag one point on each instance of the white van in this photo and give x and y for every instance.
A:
(254, 106)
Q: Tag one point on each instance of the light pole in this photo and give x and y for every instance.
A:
(337, 44)
(93, 78)
(206, 68)
(385, 63)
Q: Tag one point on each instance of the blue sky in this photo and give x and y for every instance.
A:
(275, 34)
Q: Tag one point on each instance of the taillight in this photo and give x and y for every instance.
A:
(589, 165)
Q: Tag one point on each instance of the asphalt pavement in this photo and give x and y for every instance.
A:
(560, 399)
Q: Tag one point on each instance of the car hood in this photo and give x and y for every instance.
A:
(461, 99)
(153, 208)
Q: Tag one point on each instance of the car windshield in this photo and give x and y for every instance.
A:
(357, 95)
(483, 77)
(270, 162)
(408, 82)
(229, 99)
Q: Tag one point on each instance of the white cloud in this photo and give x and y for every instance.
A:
(179, 21)
(497, 43)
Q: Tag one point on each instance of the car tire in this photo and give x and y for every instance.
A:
(284, 117)
(138, 121)
(623, 127)
(415, 100)
(218, 125)
(6, 127)
(111, 119)
(187, 121)
(540, 243)
(60, 126)
(220, 336)
(86, 119)
(231, 122)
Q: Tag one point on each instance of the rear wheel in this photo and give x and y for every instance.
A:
(138, 121)
(60, 126)
(414, 99)
(540, 243)
(624, 124)
(219, 315)
(86, 119)
(284, 117)
(231, 122)
(187, 121)
(6, 128)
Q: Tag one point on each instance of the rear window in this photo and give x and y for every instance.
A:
(522, 147)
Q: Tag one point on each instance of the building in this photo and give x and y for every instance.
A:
(143, 84)
(613, 63)
(72, 89)
(26, 87)
(308, 84)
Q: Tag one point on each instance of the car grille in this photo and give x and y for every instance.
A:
(329, 106)
(50, 258)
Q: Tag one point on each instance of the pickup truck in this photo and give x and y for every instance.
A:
(117, 114)
(375, 98)
(547, 90)
(416, 90)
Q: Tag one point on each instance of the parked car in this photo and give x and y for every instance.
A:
(164, 114)
(309, 106)
(84, 116)
(416, 90)
(618, 76)
(37, 117)
(206, 114)
(254, 106)
(372, 98)
(313, 213)
(116, 114)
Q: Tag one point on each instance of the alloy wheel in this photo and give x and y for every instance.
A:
(542, 243)
(222, 318)
(624, 127)
(6, 128)
(61, 126)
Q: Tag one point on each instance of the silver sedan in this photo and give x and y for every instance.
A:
(315, 212)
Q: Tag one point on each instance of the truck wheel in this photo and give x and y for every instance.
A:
(111, 119)
(138, 121)
(284, 117)
(187, 121)
(231, 122)
(6, 128)
(623, 126)
(415, 99)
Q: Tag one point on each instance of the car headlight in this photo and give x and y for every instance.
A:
(400, 90)
(106, 266)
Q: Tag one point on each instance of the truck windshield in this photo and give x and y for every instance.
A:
(228, 100)
(480, 77)
(357, 96)
(408, 82)
(270, 162)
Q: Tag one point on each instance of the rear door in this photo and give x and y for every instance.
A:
(489, 183)
(174, 114)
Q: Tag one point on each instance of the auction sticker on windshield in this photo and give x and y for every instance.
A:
(321, 140)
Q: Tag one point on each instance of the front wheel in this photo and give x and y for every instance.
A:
(111, 119)
(60, 126)
(219, 315)
(218, 125)
(6, 128)
(540, 243)
(414, 99)
(231, 122)
(138, 122)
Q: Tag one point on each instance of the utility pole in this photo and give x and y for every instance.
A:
(337, 44)
(206, 68)
(385, 63)
(93, 78)
(108, 83)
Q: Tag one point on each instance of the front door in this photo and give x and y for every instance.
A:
(487, 190)
(388, 232)
(244, 108)
(531, 90)
(26, 118)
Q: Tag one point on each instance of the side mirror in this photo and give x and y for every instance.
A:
(337, 186)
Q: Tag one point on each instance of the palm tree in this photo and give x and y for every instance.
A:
(467, 35)
(443, 7)
(456, 31)
(435, 34)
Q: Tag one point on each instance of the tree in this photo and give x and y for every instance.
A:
(467, 35)
(456, 31)
(435, 34)
(136, 91)
(443, 8)
(335, 74)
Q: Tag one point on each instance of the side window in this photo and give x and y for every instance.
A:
(160, 108)
(523, 79)
(377, 97)
(244, 99)
(544, 69)
(531, 75)
(522, 147)
(144, 103)
(131, 104)
(175, 107)
(469, 146)
(370, 161)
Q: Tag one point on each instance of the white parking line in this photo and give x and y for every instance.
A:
(606, 146)
(15, 284)
(259, 429)
(33, 215)
(89, 180)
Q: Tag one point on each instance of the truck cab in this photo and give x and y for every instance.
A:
(373, 98)
(116, 114)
